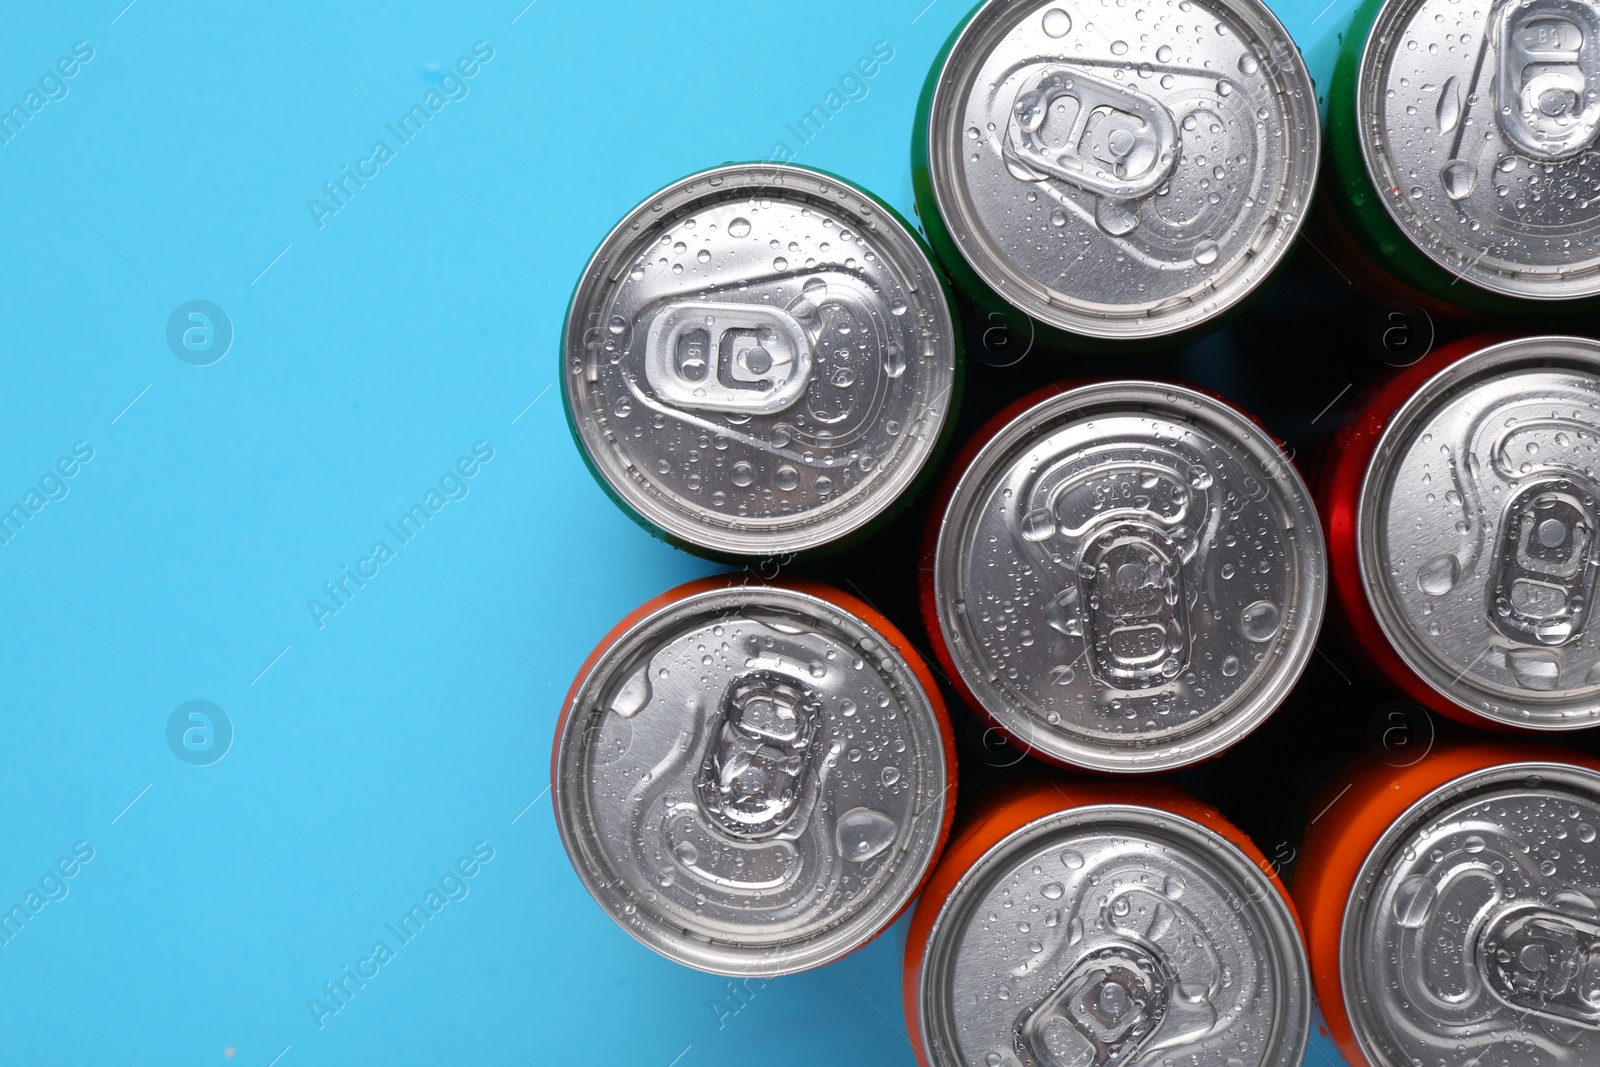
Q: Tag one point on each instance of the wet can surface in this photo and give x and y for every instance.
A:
(1126, 577)
(1462, 140)
(1116, 172)
(1464, 530)
(1450, 909)
(753, 779)
(760, 360)
(1077, 923)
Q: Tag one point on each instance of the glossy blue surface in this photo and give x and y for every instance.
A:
(382, 345)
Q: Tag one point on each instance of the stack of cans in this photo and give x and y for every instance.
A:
(1120, 577)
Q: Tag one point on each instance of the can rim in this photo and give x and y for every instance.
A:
(1457, 790)
(1549, 351)
(1280, 930)
(1084, 402)
(1390, 13)
(1035, 300)
(729, 958)
(898, 243)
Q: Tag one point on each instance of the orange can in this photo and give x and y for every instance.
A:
(751, 778)
(1104, 922)
(1451, 911)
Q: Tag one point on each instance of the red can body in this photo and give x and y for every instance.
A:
(1080, 400)
(1343, 470)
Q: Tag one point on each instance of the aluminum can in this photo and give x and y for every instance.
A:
(753, 779)
(1130, 172)
(1126, 576)
(1464, 530)
(1462, 140)
(1105, 924)
(1450, 909)
(760, 360)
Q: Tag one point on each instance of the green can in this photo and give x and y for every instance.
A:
(761, 361)
(1128, 178)
(1463, 140)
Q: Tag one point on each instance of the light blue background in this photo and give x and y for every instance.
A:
(369, 354)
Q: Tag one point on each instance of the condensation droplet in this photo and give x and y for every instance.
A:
(1449, 109)
(894, 360)
(1057, 23)
(1413, 901)
(1038, 525)
(863, 833)
(1458, 178)
(1260, 620)
(1439, 575)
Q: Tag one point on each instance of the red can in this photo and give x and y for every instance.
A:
(1449, 907)
(1123, 576)
(1104, 922)
(753, 778)
(1463, 521)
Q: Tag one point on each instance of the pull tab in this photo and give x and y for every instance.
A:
(1548, 85)
(1545, 963)
(1107, 138)
(1544, 581)
(727, 357)
(1114, 999)
(1131, 581)
(754, 776)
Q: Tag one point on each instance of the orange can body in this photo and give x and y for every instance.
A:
(1353, 812)
(732, 744)
(1026, 803)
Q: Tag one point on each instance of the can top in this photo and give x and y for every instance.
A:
(1129, 173)
(759, 359)
(751, 780)
(1479, 532)
(1472, 934)
(1109, 935)
(1478, 125)
(1130, 576)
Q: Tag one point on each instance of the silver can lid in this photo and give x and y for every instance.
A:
(1473, 933)
(759, 359)
(1129, 171)
(751, 781)
(1130, 576)
(1479, 532)
(1478, 124)
(1114, 935)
